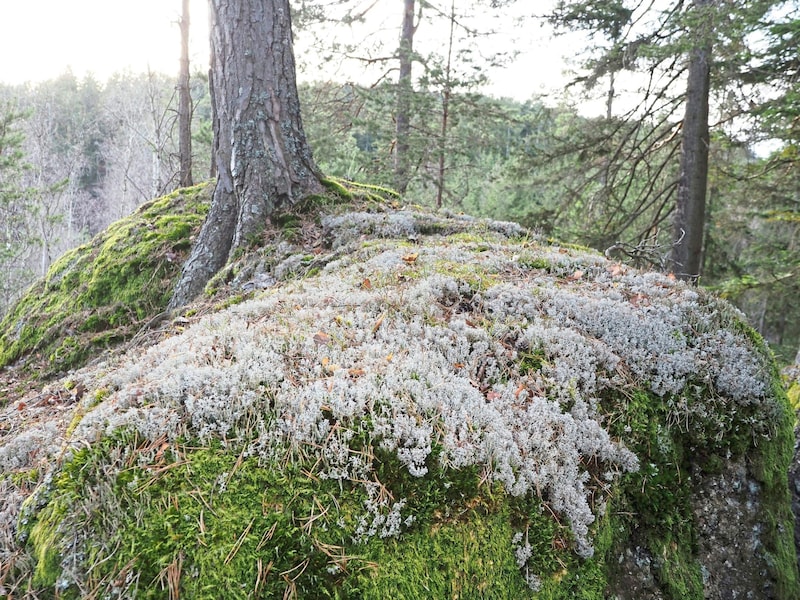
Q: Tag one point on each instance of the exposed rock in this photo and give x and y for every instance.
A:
(729, 511)
(635, 575)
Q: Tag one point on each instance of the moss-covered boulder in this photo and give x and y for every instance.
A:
(386, 403)
(101, 293)
(791, 376)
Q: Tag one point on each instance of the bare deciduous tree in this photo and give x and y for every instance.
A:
(184, 103)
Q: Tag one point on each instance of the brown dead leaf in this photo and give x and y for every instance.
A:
(355, 372)
(411, 258)
(322, 338)
(78, 392)
(639, 300)
(576, 275)
(615, 270)
(161, 450)
(378, 323)
(330, 368)
(366, 284)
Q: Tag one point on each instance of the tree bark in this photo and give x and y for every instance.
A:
(184, 104)
(689, 222)
(262, 158)
(404, 92)
(445, 110)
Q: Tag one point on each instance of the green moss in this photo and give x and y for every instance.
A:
(567, 246)
(465, 558)
(205, 521)
(657, 499)
(532, 260)
(45, 539)
(351, 191)
(24, 478)
(474, 275)
(531, 362)
(793, 396)
(338, 187)
(658, 496)
(230, 301)
(481, 239)
(109, 286)
(771, 461)
(208, 517)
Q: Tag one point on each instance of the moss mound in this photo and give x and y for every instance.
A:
(394, 404)
(99, 294)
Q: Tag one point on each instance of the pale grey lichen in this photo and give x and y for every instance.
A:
(31, 446)
(342, 229)
(391, 347)
(522, 553)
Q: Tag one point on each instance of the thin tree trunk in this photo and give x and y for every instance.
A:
(184, 104)
(610, 95)
(404, 92)
(262, 158)
(445, 110)
(689, 222)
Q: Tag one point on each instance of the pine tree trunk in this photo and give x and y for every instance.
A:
(262, 158)
(184, 104)
(689, 222)
(404, 92)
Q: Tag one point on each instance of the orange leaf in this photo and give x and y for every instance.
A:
(330, 367)
(355, 372)
(411, 258)
(639, 299)
(576, 275)
(366, 284)
(322, 338)
(378, 323)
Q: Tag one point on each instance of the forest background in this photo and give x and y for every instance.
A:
(407, 102)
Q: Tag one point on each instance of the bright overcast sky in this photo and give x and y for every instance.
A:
(40, 39)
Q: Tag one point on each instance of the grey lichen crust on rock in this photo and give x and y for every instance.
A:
(391, 403)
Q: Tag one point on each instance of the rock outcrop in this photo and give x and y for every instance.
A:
(380, 402)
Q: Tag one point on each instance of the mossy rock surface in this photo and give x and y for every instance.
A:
(387, 403)
(101, 293)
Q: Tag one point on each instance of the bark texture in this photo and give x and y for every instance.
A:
(689, 222)
(262, 159)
